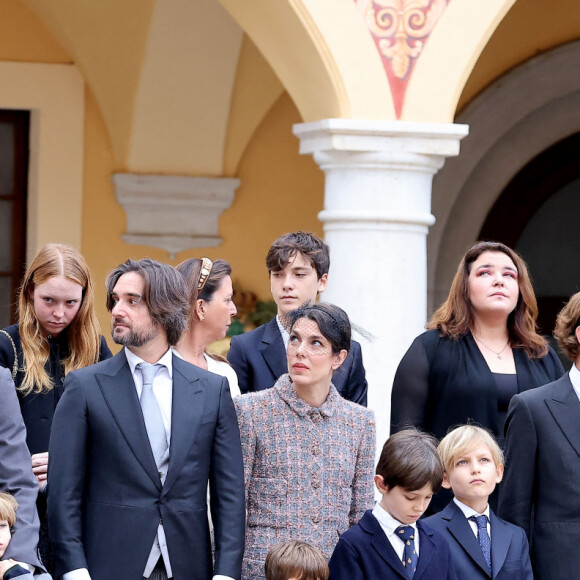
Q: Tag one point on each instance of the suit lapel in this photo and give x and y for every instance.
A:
(186, 412)
(381, 544)
(120, 395)
(501, 537)
(565, 408)
(273, 350)
(460, 529)
(426, 551)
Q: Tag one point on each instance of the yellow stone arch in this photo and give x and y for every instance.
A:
(449, 57)
(323, 54)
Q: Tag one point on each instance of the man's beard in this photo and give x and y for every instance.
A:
(135, 338)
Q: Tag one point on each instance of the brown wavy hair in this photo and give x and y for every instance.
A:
(454, 317)
(566, 324)
(83, 332)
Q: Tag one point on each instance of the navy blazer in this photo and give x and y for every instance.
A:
(541, 487)
(259, 359)
(106, 499)
(365, 553)
(510, 559)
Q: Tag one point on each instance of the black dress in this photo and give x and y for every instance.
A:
(38, 408)
(441, 383)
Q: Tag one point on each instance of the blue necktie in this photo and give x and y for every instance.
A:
(152, 413)
(483, 537)
(410, 558)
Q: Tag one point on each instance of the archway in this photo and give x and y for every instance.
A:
(537, 215)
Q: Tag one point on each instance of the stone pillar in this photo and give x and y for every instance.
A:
(377, 212)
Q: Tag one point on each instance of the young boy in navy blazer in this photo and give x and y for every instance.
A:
(390, 542)
(482, 545)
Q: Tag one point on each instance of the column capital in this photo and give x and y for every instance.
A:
(390, 143)
(173, 212)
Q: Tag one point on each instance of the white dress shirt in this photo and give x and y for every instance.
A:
(389, 524)
(575, 379)
(468, 512)
(163, 390)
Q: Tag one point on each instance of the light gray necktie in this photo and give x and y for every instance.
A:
(152, 413)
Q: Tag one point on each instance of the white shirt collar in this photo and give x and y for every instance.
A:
(468, 512)
(575, 379)
(387, 521)
(166, 360)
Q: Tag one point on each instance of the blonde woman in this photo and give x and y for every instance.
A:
(57, 332)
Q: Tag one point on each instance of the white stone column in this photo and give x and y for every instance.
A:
(377, 212)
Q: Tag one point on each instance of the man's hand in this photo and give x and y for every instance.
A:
(40, 469)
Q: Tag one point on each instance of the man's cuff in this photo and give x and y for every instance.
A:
(220, 577)
(79, 574)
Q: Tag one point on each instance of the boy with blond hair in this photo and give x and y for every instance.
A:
(296, 560)
(10, 569)
(482, 545)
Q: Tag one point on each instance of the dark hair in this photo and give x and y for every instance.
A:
(455, 316)
(305, 243)
(409, 460)
(296, 560)
(190, 270)
(164, 294)
(332, 321)
(566, 324)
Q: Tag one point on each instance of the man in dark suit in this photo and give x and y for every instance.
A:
(16, 476)
(133, 446)
(541, 488)
(298, 265)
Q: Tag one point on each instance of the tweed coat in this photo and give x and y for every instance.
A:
(308, 471)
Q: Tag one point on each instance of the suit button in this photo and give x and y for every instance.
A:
(315, 450)
(163, 500)
(316, 518)
(315, 481)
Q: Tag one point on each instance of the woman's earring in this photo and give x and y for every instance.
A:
(202, 317)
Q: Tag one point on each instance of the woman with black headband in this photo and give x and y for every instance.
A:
(308, 453)
(210, 290)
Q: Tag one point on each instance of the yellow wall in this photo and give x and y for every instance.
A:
(24, 37)
(275, 181)
(529, 28)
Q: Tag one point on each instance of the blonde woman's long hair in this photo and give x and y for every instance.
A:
(83, 332)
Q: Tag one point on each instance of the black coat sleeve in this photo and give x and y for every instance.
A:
(410, 392)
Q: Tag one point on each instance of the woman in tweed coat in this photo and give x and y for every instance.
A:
(308, 453)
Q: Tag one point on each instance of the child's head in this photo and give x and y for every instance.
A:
(473, 464)
(296, 561)
(8, 507)
(408, 474)
(298, 266)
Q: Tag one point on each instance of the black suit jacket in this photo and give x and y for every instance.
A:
(510, 559)
(541, 488)
(106, 499)
(16, 475)
(365, 553)
(259, 359)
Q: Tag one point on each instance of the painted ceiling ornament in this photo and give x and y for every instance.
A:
(400, 29)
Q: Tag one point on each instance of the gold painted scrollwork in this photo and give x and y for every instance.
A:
(401, 26)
